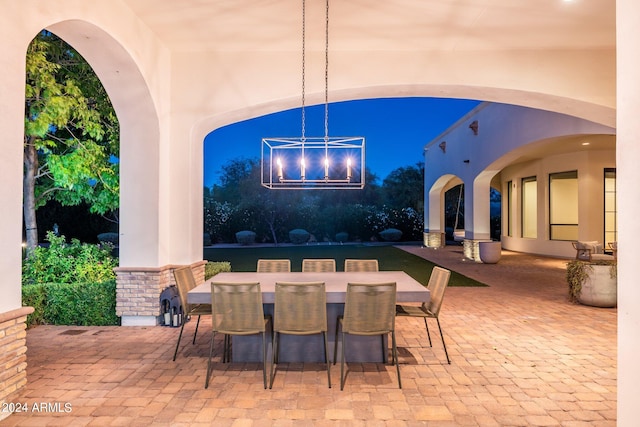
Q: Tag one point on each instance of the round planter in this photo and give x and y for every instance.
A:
(599, 288)
(490, 252)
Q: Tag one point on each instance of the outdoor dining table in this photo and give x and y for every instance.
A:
(305, 349)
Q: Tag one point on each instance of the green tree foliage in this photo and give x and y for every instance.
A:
(71, 133)
(404, 187)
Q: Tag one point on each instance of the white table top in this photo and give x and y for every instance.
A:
(407, 288)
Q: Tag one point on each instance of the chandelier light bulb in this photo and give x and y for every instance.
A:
(280, 174)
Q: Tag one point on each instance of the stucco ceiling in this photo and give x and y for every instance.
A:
(449, 25)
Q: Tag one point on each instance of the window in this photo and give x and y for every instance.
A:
(610, 212)
(530, 207)
(563, 206)
(509, 208)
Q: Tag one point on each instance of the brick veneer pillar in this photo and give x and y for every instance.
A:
(433, 239)
(138, 291)
(13, 352)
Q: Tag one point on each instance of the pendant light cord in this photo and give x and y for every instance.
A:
(326, 76)
(303, 138)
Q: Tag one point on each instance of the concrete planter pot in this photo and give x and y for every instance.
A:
(490, 252)
(600, 286)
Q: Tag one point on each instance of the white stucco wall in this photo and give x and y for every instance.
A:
(506, 135)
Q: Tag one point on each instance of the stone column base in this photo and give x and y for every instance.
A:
(13, 354)
(138, 291)
(434, 239)
(471, 249)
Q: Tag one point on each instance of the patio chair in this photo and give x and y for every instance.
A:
(185, 282)
(360, 265)
(438, 282)
(368, 310)
(590, 251)
(318, 265)
(614, 249)
(300, 308)
(236, 309)
(273, 265)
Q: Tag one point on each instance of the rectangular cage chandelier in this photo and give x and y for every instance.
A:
(315, 163)
(306, 163)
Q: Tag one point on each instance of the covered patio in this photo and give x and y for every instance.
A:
(521, 355)
(175, 71)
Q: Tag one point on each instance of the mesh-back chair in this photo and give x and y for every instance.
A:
(300, 309)
(273, 265)
(438, 282)
(360, 265)
(236, 309)
(185, 282)
(318, 265)
(369, 309)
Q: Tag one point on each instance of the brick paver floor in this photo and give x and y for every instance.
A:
(521, 356)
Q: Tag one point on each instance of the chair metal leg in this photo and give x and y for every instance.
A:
(264, 360)
(428, 334)
(196, 331)
(175, 353)
(274, 357)
(384, 349)
(443, 344)
(394, 356)
(206, 381)
(342, 363)
(326, 357)
(335, 341)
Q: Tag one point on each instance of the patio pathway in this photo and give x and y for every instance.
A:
(521, 356)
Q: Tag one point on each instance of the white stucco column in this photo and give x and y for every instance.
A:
(12, 64)
(628, 199)
(12, 315)
(481, 207)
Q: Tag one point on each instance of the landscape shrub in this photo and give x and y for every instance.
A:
(34, 296)
(342, 237)
(113, 238)
(246, 237)
(219, 221)
(214, 267)
(391, 234)
(299, 236)
(69, 263)
(70, 283)
(80, 304)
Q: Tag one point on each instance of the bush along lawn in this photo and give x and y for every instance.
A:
(70, 284)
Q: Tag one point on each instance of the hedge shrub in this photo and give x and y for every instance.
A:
(62, 262)
(113, 238)
(35, 296)
(391, 234)
(342, 237)
(246, 237)
(80, 304)
(299, 236)
(212, 268)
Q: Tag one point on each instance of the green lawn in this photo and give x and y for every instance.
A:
(389, 258)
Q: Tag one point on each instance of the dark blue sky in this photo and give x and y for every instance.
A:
(395, 130)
